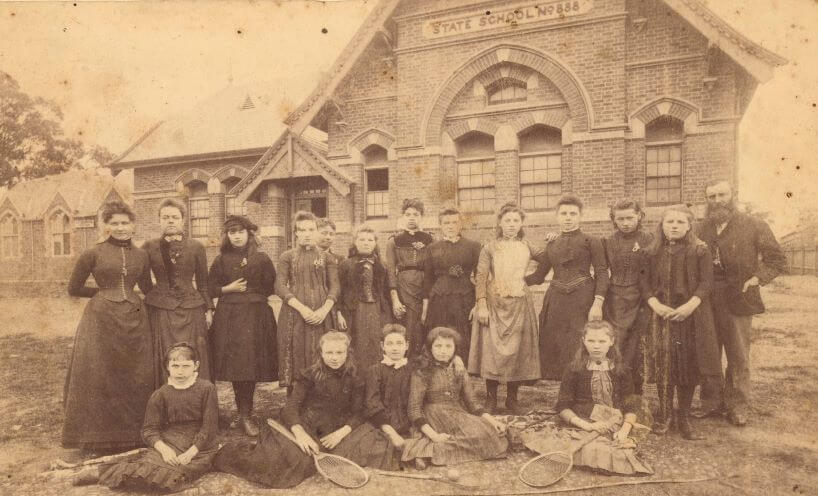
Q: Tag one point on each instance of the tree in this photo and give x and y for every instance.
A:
(32, 141)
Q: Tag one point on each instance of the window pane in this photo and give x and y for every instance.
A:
(554, 175)
(675, 153)
(663, 169)
(57, 248)
(526, 177)
(675, 169)
(526, 163)
(651, 170)
(650, 155)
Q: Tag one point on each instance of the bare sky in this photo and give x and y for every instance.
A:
(118, 67)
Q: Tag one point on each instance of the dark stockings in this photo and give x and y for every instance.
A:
(491, 395)
(244, 391)
(684, 398)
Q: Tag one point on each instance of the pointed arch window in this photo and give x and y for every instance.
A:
(59, 227)
(10, 234)
(377, 181)
(231, 205)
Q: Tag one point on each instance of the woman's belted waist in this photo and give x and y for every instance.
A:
(572, 284)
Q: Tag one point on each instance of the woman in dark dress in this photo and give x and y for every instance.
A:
(244, 328)
(178, 311)
(364, 301)
(111, 374)
(387, 386)
(681, 346)
(307, 283)
(404, 259)
(574, 296)
(448, 292)
(324, 412)
(626, 254)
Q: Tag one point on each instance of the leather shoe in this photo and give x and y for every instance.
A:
(738, 419)
(701, 413)
(249, 426)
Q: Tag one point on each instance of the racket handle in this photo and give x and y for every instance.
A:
(587, 439)
(403, 475)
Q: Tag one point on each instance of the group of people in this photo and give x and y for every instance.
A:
(376, 350)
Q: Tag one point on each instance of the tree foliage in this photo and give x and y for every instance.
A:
(32, 141)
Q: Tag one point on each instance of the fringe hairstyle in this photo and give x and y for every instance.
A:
(569, 200)
(627, 204)
(173, 203)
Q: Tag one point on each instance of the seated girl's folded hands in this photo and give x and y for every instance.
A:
(332, 439)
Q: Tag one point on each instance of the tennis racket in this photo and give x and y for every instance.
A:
(334, 468)
(549, 468)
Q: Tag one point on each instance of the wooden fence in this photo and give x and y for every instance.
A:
(802, 261)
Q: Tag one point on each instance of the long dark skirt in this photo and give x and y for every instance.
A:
(110, 377)
(244, 342)
(561, 321)
(452, 311)
(149, 471)
(625, 310)
(277, 462)
(365, 326)
(180, 325)
(409, 291)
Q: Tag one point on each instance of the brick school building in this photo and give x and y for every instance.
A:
(473, 103)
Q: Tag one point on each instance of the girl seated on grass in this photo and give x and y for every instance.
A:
(324, 412)
(181, 428)
(387, 386)
(443, 407)
(596, 395)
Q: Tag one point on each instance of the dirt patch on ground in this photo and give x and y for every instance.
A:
(773, 455)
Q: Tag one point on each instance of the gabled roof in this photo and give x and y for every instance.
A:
(754, 58)
(83, 191)
(237, 118)
(275, 164)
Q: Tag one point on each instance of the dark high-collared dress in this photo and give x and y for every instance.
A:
(626, 255)
(323, 401)
(175, 307)
(244, 332)
(364, 303)
(111, 374)
(569, 296)
(309, 275)
(447, 284)
(405, 256)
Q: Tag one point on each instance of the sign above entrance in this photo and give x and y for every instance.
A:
(515, 15)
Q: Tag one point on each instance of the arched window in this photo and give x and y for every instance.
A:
(506, 91)
(10, 233)
(377, 181)
(475, 172)
(59, 228)
(540, 167)
(231, 205)
(663, 161)
(199, 208)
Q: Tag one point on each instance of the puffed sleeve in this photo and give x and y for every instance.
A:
(600, 264)
(154, 418)
(543, 268)
(469, 398)
(202, 279)
(216, 278)
(481, 278)
(284, 272)
(268, 275)
(417, 393)
(391, 263)
(206, 435)
(334, 285)
(79, 276)
(374, 409)
(705, 269)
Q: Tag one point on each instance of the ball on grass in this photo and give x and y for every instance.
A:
(453, 474)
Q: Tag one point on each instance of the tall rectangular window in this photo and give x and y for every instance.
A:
(60, 231)
(199, 213)
(475, 185)
(663, 174)
(540, 167)
(9, 230)
(234, 207)
(377, 192)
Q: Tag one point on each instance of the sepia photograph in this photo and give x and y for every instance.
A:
(420, 247)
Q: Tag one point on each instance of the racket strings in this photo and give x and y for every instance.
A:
(341, 471)
(545, 470)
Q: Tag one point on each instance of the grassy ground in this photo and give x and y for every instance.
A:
(770, 456)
